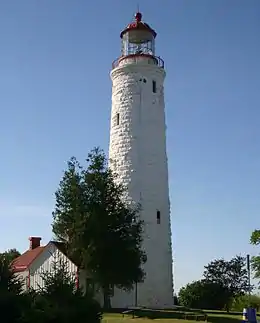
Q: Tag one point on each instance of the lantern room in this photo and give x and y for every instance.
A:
(138, 45)
(138, 38)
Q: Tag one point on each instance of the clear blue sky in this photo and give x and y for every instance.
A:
(55, 98)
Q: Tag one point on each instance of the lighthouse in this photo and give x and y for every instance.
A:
(137, 153)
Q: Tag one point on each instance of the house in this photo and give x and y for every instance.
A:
(37, 260)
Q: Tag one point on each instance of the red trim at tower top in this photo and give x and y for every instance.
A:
(138, 24)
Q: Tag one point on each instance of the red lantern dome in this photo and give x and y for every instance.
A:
(138, 24)
(138, 44)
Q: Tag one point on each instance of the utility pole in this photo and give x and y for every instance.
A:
(249, 282)
(136, 302)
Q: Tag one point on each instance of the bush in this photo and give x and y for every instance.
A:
(59, 300)
(202, 294)
(79, 309)
(9, 307)
(243, 301)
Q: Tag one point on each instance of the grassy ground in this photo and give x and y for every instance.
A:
(214, 318)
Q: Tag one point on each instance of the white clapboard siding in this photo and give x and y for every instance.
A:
(45, 262)
(33, 276)
(23, 276)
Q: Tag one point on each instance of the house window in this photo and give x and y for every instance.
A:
(158, 217)
(154, 87)
(117, 119)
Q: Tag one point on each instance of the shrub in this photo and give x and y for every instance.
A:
(47, 310)
(243, 301)
(202, 294)
(60, 301)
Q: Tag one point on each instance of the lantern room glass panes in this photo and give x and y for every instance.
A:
(138, 42)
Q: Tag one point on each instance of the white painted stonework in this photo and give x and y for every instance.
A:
(137, 154)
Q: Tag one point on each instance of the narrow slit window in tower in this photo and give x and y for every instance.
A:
(154, 87)
(117, 119)
(158, 217)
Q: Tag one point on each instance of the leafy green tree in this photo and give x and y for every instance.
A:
(11, 254)
(255, 261)
(102, 231)
(202, 294)
(243, 301)
(231, 275)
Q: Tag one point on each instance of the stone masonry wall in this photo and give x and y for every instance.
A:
(138, 155)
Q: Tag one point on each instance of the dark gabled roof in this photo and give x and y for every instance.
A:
(62, 247)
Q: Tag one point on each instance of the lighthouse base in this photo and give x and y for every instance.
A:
(143, 298)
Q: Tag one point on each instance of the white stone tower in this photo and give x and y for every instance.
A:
(138, 154)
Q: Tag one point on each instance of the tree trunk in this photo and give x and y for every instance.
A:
(106, 296)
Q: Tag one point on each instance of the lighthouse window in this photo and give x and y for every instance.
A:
(158, 217)
(117, 119)
(143, 80)
(154, 87)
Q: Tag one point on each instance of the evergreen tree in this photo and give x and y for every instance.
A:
(10, 292)
(58, 283)
(59, 300)
(9, 282)
(101, 230)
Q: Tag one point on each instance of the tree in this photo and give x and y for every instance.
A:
(175, 300)
(239, 303)
(60, 301)
(10, 292)
(231, 275)
(11, 254)
(255, 261)
(58, 283)
(8, 280)
(202, 294)
(100, 228)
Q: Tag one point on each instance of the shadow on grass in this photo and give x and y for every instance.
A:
(223, 319)
(162, 314)
(182, 315)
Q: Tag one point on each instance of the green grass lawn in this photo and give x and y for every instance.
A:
(214, 318)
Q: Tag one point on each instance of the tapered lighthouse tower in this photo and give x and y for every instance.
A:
(138, 155)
